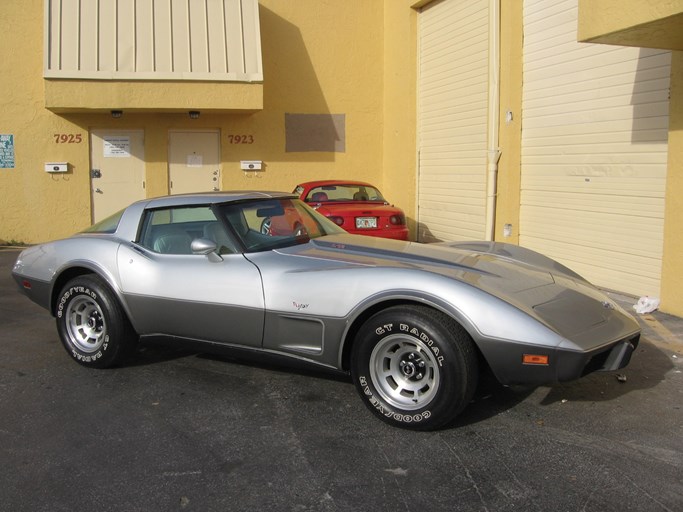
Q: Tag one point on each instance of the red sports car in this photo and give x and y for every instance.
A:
(355, 206)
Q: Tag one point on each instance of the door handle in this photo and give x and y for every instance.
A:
(98, 191)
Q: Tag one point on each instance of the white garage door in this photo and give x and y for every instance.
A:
(452, 110)
(594, 151)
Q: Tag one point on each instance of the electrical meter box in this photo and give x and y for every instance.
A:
(251, 165)
(56, 167)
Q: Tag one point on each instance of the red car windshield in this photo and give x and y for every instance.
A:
(344, 192)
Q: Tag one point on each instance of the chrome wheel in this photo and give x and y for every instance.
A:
(85, 324)
(92, 324)
(404, 371)
(414, 367)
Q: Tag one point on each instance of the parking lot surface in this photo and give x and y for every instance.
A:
(178, 430)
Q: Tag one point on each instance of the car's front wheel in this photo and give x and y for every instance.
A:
(92, 326)
(414, 367)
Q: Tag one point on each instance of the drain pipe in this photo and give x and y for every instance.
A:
(493, 152)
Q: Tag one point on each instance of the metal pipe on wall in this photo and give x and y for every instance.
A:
(493, 152)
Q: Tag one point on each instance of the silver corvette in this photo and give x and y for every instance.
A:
(412, 323)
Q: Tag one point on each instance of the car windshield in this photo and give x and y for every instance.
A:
(268, 224)
(344, 192)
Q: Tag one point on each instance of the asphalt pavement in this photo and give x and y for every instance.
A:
(178, 430)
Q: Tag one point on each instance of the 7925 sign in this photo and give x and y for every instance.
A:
(68, 138)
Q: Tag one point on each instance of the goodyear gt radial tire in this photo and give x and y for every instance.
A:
(91, 324)
(414, 367)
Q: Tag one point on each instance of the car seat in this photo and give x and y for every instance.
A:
(216, 233)
(319, 197)
(173, 240)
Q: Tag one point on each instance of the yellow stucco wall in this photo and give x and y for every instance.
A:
(632, 23)
(318, 58)
(64, 96)
(510, 125)
(672, 265)
(35, 205)
(400, 107)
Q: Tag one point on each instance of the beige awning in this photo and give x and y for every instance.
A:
(102, 54)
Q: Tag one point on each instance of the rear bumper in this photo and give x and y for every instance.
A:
(563, 365)
(36, 290)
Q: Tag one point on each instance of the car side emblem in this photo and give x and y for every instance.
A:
(607, 305)
(299, 307)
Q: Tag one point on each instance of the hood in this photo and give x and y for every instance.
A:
(527, 280)
(492, 271)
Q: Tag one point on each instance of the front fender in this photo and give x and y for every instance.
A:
(488, 320)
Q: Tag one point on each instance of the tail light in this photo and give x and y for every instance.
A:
(337, 220)
(397, 220)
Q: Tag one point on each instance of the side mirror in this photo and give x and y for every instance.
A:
(207, 248)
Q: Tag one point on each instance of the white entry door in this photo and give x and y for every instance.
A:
(117, 171)
(194, 161)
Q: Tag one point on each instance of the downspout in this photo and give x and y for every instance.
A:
(493, 152)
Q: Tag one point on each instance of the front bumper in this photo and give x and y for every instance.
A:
(563, 365)
(613, 357)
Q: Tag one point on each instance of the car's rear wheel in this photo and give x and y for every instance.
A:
(414, 367)
(92, 326)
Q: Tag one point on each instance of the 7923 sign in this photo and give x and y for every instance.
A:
(241, 139)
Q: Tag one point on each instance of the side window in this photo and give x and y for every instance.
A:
(171, 230)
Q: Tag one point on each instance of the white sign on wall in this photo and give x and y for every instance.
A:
(116, 147)
(194, 160)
